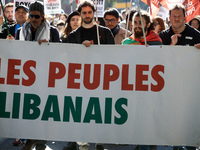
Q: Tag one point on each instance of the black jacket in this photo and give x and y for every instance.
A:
(54, 35)
(189, 36)
(81, 34)
(11, 28)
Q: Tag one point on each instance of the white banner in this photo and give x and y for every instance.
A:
(105, 94)
(52, 7)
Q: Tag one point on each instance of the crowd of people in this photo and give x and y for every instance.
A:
(80, 27)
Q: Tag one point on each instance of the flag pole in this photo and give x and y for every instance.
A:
(2, 7)
(71, 1)
(71, 8)
(127, 21)
(142, 23)
(97, 23)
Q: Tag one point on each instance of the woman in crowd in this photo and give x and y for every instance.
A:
(61, 27)
(63, 17)
(73, 22)
(159, 24)
(195, 22)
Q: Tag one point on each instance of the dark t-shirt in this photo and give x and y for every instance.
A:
(189, 36)
(81, 34)
(11, 28)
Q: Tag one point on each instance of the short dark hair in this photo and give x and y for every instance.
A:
(147, 18)
(132, 12)
(123, 11)
(197, 19)
(112, 11)
(85, 4)
(177, 6)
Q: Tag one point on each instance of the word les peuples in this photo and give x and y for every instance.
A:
(13, 72)
(111, 73)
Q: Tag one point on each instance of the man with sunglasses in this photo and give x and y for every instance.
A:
(37, 29)
(111, 18)
(86, 34)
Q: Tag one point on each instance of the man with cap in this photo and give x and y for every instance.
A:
(21, 17)
(37, 28)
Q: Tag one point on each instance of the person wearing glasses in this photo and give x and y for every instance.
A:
(86, 34)
(37, 28)
(111, 18)
(195, 23)
(21, 12)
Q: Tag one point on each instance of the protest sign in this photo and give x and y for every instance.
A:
(100, 7)
(22, 2)
(52, 7)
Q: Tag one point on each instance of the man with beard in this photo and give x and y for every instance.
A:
(8, 13)
(87, 33)
(180, 33)
(21, 17)
(137, 38)
(37, 28)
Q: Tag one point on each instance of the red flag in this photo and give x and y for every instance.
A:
(192, 9)
(169, 3)
(154, 6)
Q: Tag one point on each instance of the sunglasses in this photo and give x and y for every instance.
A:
(35, 16)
